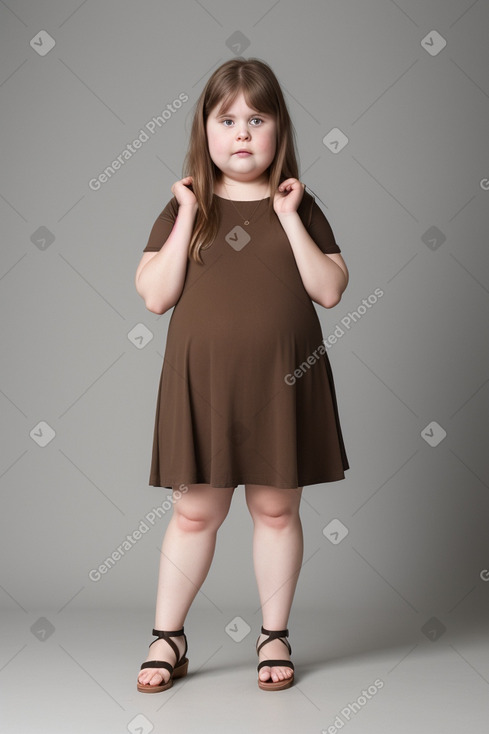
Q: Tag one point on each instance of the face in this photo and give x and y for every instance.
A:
(241, 129)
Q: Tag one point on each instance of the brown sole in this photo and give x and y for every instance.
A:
(279, 685)
(142, 688)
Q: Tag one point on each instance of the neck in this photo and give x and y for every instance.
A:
(242, 190)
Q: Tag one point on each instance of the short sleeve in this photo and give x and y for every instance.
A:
(317, 225)
(162, 227)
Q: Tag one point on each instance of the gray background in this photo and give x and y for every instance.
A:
(417, 159)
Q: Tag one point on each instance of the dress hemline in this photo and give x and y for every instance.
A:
(156, 482)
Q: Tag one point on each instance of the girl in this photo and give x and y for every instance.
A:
(246, 394)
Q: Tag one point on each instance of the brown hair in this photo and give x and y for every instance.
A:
(255, 79)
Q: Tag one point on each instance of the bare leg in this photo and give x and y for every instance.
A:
(277, 555)
(186, 555)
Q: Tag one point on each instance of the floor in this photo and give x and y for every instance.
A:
(355, 671)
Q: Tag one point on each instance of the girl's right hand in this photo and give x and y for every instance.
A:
(182, 193)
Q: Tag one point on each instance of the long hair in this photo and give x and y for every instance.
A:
(261, 89)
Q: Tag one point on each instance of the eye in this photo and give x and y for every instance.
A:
(254, 121)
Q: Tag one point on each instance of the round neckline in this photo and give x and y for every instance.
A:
(241, 201)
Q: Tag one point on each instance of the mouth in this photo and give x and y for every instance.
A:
(242, 152)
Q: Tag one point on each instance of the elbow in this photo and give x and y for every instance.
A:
(158, 308)
(334, 297)
(332, 300)
(152, 306)
(155, 305)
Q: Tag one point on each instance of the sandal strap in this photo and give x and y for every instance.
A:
(164, 635)
(274, 635)
(158, 664)
(283, 663)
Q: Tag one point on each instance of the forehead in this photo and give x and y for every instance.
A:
(238, 105)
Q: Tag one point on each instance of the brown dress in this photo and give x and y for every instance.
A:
(230, 410)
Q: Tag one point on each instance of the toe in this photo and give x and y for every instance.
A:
(157, 679)
(280, 673)
(275, 673)
(151, 678)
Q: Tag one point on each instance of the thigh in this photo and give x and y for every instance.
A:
(202, 502)
(267, 500)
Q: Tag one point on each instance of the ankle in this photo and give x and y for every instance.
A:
(274, 626)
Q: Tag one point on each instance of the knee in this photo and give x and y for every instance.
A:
(278, 517)
(195, 520)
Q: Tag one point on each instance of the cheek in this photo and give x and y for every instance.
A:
(211, 138)
(216, 143)
(268, 144)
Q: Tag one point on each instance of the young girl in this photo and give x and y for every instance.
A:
(246, 394)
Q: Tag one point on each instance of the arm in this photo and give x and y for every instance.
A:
(160, 276)
(325, 276)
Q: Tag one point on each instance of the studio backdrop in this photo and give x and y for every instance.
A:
(390, 105)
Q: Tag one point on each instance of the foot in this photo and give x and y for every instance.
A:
(161, 650)
(274, 650)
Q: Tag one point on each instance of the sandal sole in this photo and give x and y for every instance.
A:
(276, 686)
(179, 672)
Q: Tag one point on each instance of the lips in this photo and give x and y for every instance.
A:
(243, 150)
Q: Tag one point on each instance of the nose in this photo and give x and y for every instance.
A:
(242, 133)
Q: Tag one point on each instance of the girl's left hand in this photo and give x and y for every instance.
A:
(288, 196)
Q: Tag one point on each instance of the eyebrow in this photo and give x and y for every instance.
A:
(256, 112)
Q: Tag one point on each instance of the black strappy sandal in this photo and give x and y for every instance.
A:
(271, 685)
(179, 670)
